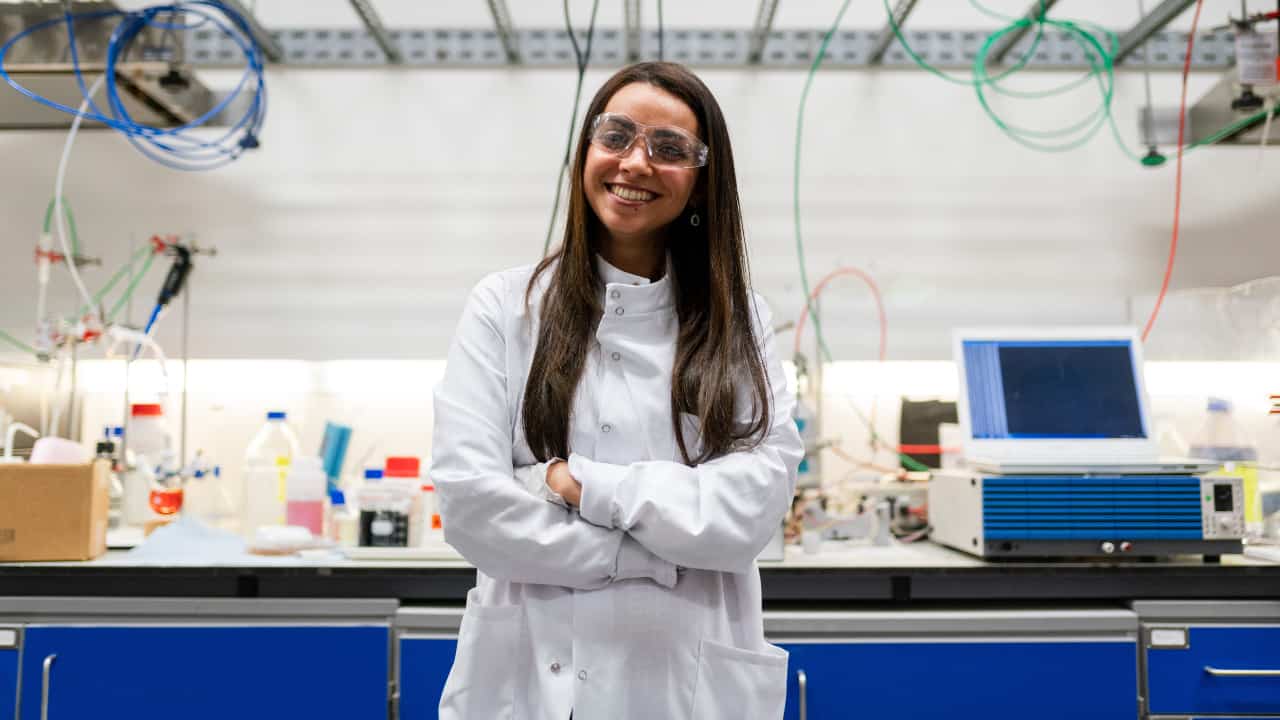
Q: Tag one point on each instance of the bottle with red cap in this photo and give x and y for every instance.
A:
(149, 445)
(404, 474)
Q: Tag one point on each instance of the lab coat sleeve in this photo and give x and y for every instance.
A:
(718, 515)
(489, 516)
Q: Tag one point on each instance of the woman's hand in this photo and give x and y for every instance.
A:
(563, 484)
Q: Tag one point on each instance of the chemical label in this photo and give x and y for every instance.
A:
(1256, 57)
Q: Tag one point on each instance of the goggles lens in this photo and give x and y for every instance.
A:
(665, 145)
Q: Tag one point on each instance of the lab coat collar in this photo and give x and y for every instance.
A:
(635, 293)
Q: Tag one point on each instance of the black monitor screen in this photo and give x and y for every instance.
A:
(1052, 389)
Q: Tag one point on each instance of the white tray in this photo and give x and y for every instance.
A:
(428, 552)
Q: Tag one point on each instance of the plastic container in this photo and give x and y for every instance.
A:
(344, 524)
(384, 515)
(266, 468)
(148, 432)
(1269, 471)
(307, 490)
(1224, 440)
(432, 527)
(405, 475)
(115, 514)
(150, 445)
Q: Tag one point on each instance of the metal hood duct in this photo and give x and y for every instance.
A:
(155, 87)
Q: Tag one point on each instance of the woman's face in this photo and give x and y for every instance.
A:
(656, 194)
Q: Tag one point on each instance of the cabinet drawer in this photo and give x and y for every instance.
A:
(424, 667)
(1221, 670)
(206, 673)
(8, 683)
(991, 680)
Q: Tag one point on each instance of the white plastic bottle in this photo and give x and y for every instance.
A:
(432, 528)
(1222, 439)
(344, 525)
(266, 467)
(307, 491)
(149, 446)
(1269, 472)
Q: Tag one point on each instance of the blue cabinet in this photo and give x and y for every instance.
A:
(966, 679)
(1220, 670)
(139, 672)
(424, 666)
(8, 683)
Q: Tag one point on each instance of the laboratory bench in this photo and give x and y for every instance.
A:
(272, 637)
(840, 576)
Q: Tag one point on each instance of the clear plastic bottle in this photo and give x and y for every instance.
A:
(150, 446)
(306, 493)
(266, 468)
(344, 524)
(107, 452)
(432, 527)
(404, 474)
(1269, 472)
(1224, 440)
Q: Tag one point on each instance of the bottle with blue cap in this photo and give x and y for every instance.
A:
(266, 469)
(1224, 440)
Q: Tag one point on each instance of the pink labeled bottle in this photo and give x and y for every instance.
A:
(306, 490)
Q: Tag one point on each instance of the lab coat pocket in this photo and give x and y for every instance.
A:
(487, 664)
(734, 683)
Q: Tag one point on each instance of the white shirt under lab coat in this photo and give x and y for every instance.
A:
(644, 604)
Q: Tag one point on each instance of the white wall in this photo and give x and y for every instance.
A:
(379, 197)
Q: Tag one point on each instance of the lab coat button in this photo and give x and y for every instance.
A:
(617, 356)
(619, 311)
(555, 667)
(615, 294)
(582, 674)
(606, 427)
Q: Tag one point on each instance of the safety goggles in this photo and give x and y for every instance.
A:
(668, 146)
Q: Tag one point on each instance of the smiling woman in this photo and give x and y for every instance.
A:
(613, 439)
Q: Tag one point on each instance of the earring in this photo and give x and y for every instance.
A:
(694, 220)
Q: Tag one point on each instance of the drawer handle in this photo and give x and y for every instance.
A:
(802, 681)
(45, 677)
(1220, 672)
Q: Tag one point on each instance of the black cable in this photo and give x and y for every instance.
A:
(661, 55)
(582, 58)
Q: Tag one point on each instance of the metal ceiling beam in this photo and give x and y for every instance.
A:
(886, 37)
(1010, 39)
(369, 16)
(506, 32)
(261, 35)
(760, 32)
(631, 28)
(1150, 25)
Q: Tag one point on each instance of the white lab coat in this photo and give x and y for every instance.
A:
(644, 604)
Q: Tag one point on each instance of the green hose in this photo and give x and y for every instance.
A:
(128, 291)
(1101, 70)
(907, 461)
(116, 278)
(17, 343)
(71, 223)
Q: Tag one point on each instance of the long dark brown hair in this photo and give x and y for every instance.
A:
(717, 351)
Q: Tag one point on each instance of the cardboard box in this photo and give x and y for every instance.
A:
(53, 512)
